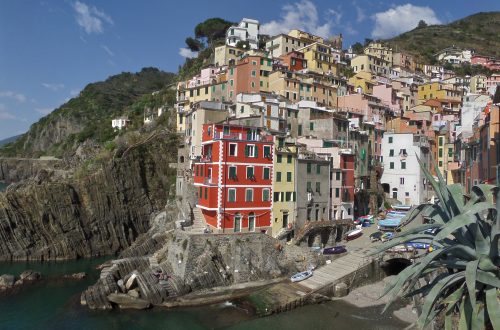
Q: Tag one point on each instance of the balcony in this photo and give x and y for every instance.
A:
(210, 181)
(242, 137)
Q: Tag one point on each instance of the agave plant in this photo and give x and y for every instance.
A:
(464, 263)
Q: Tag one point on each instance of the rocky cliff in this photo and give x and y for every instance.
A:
(167, 265)
(17, 169)
(96, 213)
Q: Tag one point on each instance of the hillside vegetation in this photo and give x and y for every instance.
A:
(88, 116)
(480, 32)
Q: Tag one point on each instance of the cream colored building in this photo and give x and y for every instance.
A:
(378, 50)
(226, 55)
(283, 44)
(371, 64)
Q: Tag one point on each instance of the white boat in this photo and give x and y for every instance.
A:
(401, 207)
(301, 276)
(353, 234)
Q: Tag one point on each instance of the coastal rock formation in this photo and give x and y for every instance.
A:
(168, 265)
(17, 169)
(95, 213)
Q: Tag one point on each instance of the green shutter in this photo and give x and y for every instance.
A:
(278, 176)
(309, 166)
(309, 186)
(289, 176)
(279, 158)
(266, 173)
(256, 148)
(232, 172)
(289, 159)
(247, 151)
(318, 169)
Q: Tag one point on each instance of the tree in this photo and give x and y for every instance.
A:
(464, 264)
(212, 29)
(421, 24)
(194, 44)
(357, 48)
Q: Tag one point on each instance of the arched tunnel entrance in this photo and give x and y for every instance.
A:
(394, 266)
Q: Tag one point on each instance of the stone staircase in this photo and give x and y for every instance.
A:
(199, 224)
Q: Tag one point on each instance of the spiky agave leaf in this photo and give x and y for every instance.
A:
(493, 306)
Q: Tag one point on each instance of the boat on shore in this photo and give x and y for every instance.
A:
(353, 234)
(404, 208)
(301, 276)
(335, 250)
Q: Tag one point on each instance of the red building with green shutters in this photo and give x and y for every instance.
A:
(233, 178)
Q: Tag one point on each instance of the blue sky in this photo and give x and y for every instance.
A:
(49, 50)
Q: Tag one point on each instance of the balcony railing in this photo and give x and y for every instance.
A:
(242, 137)
(210, 181)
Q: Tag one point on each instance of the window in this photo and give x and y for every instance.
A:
(276, 196)
(233, 147)
(318, 169)
(249, 195)
(265, 195)
(309, 186)
(266, 173)
(390, 139)
(337, 176)
(288, 176)
(309, 167)
(337, 192)
(391, 153)
(231, 195)
(232, 172)
(250, 172)
(308, 213)
(231, 82)
(251, 221)
(278, 176)
(261, 83)
(401, 180)
(200, 193)
(440, 152)
(440, 163)
(254, 73)
(402, 152)
(391, 165)
(403, 165)
(267, 151)
(300, 130)
(311, 126)
(242, 109)
(318, 187)
(441, 141)
(237, 223)
(289, 159)
(206, 193)
(251, 150)
(279, 158)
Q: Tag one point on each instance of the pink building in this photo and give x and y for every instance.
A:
(388, 96)
(492, 81)
(207, 76)
(486, 61)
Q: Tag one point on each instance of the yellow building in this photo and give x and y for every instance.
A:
(319, 58)
(379, 50)
(284, 187)
(363, 81)
(226, 55)
(372, 64)
(305, 37)
(445, 158)
(437, 90)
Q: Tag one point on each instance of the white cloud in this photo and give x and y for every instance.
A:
(13, 95)
(53, 87)
(43, 111)
(401, 19)
(90, 18)
(187, 53)
(360, 14)
(302, 15)
(107, 50)
(349, 29)
(4, 114)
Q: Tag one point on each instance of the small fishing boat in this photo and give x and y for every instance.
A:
(335, 250)
(301, 276)
(401, 207)
(402, 248)
(315, 248)
(366, 223)
(387, 237)
(419, 245)
(353, 234)
(376, 236)
(368, 217)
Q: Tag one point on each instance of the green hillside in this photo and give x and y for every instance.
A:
(89, 115)
(480, 32)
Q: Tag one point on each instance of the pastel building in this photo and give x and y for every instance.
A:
(233, 178)
(246, 31)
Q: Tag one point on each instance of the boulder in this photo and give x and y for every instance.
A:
(121, 285)
(6, 281)
(124, 301)
(134, 293)
(79, 276)
(131, 282)
(30, 275)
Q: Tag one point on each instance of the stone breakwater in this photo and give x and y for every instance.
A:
(164, 267)
(99, 213)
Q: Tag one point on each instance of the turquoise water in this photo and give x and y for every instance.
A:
(54, 303)
(2, 186)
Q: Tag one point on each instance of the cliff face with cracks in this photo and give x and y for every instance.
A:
(99, 213)
(164, 266)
